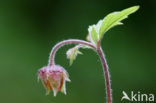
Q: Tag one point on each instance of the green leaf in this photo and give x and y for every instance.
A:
(97, 31)
(73, 52)
(114, 19)
(73, 55)
(94, 35)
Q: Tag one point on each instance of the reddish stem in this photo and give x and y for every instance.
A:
(65, 42)
(106, 74)
(100, 53)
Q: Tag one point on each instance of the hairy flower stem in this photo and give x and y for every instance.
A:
(65, 42)
(98, 49)
(106, 74)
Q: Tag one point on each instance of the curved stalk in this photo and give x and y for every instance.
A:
(98, 49)
(65, 42)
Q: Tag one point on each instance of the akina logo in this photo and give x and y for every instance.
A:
(138, 96)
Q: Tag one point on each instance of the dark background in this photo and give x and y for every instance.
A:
(30, 28)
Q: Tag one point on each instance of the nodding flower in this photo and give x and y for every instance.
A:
(54, 78)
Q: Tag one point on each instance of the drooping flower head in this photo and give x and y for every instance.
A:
(53, 78)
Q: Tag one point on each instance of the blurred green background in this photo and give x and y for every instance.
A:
(30, 28)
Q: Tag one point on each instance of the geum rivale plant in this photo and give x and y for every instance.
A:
(54, 76)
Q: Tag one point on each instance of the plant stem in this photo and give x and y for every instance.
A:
(98, 49)
(65, 42)
(106, 74)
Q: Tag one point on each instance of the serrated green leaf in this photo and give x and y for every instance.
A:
(114, 19)
(73, 56)
(73, 52)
